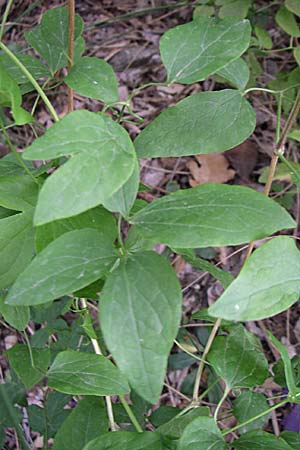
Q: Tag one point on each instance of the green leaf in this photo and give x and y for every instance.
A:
(86, 421)
(55, 27)
(123, 440)
(97, 218)
(248, 405)
(20, 361)
(286, 20)
(10, 416)
(203, 123)
(291, 438)
(175, 427)
(10, 95)
(260, 440)
(53, 55)
(141, 302)
(236, 73)
(211, 215)
(77, 373)
(16, 316)
(18, 192)
(69, 263)
(33, 65)
(93, 77)
(193, 51)
(104, 158)
(293, 6)
(123, 200)
(238, 359)
(296, 53)
(237, 8)
(268, 283)
(202, 433)
(16, 246)
(264, 38)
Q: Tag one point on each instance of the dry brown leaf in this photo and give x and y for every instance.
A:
(243, 158)
(210, 168)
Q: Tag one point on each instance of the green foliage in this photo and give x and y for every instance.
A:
(202, 431)
(247, 405)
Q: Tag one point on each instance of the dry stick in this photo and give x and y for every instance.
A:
(279, 147)
(71, 8)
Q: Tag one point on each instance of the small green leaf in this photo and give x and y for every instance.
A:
(127, 441)
(16, 316)
(215, 44)
(238, 359)
(16, 246)
(286, 20)
(264, 38)
(18, 192)
(236, 73)
(86, 421)
(202, 433)
(104, 158)
(236, 8)
(293, 6)
(97, 218)
(296, 53)
(211, 215)
(175, 427)
(208, 122)
(93, 77)
(79, 373)
(20, 361)
(69, 263)
(141, 302)
(268, 284)
(259, 439)
(248, 405)
(122, 201)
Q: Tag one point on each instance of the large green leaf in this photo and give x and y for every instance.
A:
(236, 73)
(18, 192)
(202, 433)
(208, 122)
(260, 440)
(247, 405)
(268, 283)
(69, 263)
(211, 215)
(293, 6)
(141, 302)
(17, 316)
(175, 427)
(239, 359)
(124, 440)
(79, 373)
(32, 64)
(85, 423)
(55, 24)
(93, 77)
(97, 218)
(193, 51)
(16, 246)
(104, 160)
(292, 438)
(20, 361)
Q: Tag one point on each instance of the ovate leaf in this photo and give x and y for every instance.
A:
(202, 433)
(141, 302)
(238, 359)
(258, 439)
(17, 316)
(203, 123)
(69, 263)
(86, 421)
(79, 373)
(193, 51)
(20, 361)
(16, 246)
(211, 215)
(18, 192)
(97, 218)
(268, 284)
(55, 25)
(236, 73)
(103, 160)
(293, 6)
(124, 440)
(93, 77)
(175, 427)
(236, 8)
(32, 64)
(286, 20)
(249, 404)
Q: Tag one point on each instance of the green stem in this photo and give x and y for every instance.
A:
(188, 352)
(15, 153)
(267, 411)
(32, 81)
(132, 417)
(278, 119)
(29, 349)
(226, 392)
(12, 415)
(4, 18)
